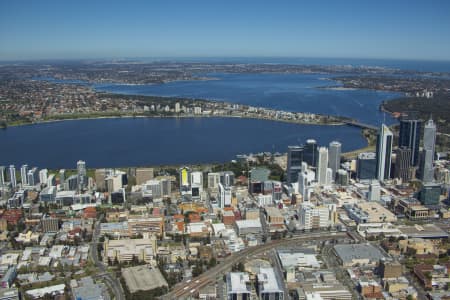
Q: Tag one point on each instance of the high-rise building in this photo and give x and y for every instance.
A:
(2, 175)
(409, 135)
(99, 176)
(166, 186)
(429, 135)
(426, 169)
(213, 180)
(303, 185)
(12, 176)
(227, 178)
(342, 177)
(43, 175)
(259, 174)
(224, 195)
(196, 184)
(24, 174)
(310, 153)
(384, 153)
(62, 178)
(143, 175)
(374, 191)
(184, 180)
(33, 176)
(329, 177)
(315, 217)
(177, 107)
(334, 157)
(152, 189)
(403, 164)
(366, 166)
(430, 194)
(81, 173)
(427, 159)
(322, 165)
(294, 162)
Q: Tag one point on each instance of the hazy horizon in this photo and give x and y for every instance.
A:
(48, 30)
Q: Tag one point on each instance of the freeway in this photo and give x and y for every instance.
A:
(185, 289)
(112, 282)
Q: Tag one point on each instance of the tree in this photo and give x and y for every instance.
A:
(212, 262)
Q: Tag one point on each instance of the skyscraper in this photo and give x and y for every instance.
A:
(310, 153)
(366, 166)
(62, 178)
(374, 191)
(384, 152)
(227, 178)
(24, 174)
(334, 157)
(33, 176)
(294, 162)
(427, 159)
(429, 135)
(409, 135)
(43, 175)
(81, 173)
(303, 184)
(403, 164)
(322, 165)
(2, 175)
(12, 176)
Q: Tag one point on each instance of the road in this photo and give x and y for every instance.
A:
(111, 281)
(330, 260)
(185, 289)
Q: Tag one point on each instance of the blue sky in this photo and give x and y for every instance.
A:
(195, 28)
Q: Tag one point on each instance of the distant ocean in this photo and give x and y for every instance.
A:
(413, 65)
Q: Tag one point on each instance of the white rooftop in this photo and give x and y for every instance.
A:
(237, 283)
(252, 223)
(269, 281)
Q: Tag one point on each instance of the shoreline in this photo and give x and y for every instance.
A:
(173, 117)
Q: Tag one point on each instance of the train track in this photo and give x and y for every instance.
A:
(188, 288)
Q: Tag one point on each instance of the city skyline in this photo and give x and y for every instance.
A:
(82, 30)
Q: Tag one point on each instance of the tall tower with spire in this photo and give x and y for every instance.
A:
(427, 158)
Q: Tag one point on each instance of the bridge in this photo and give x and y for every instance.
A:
(361, 125)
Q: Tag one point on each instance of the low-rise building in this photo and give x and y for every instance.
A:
(128, 249)
(238, 286)
(85, 288)
(269, 286)
(369, 212)
(326, 291)
(9, 294)
(143, 278)
(358, 254)
(418, 246)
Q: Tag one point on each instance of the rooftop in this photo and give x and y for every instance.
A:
(423, 231)
(238, 283)
(348, 253)
(143, 278)
(269, 280)
(248, 223)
